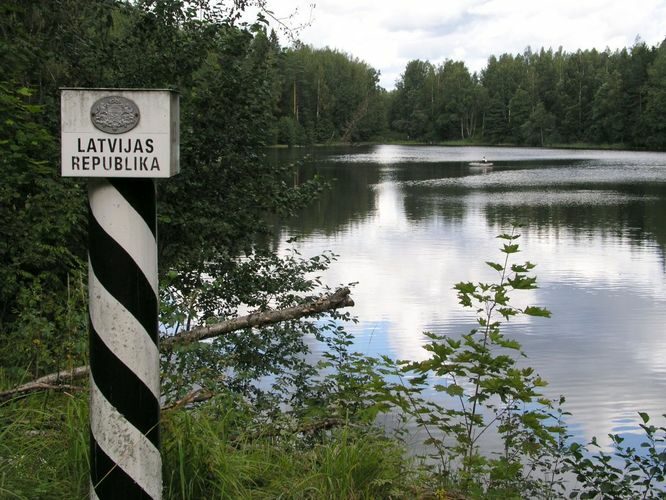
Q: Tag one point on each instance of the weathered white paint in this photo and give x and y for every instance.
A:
(156, 134)
(124, 335)
(125, 226)
(124, 444)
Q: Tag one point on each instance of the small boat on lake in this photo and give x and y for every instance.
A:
(480, 167)
(483, 164)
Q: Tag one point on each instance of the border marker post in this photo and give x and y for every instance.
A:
(122, 139)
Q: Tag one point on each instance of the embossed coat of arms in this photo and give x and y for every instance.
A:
(114, 114)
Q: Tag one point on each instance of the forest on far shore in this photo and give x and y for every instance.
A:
(535, 98)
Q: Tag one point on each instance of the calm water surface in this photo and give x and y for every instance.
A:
(409, 222)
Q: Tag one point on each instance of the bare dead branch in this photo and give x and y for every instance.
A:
(336, 300)
(195, 396)
(60, 380)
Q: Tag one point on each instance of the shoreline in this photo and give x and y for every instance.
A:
(573, 146)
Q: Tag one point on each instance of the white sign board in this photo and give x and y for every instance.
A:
(119, 133)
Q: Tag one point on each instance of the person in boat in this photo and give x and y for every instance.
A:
(484, 160)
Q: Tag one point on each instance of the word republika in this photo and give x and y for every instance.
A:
(117, 153)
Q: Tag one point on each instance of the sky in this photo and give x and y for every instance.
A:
(387, 34)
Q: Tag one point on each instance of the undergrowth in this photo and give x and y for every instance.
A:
(325, 442)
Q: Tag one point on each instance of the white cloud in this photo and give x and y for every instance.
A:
(388, 33)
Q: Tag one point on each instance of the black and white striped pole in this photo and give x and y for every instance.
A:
(124, 359)
(122, 140)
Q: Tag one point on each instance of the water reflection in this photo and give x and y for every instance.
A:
(410, 222)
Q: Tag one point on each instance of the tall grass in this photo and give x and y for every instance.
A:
(217, 451)
(44, 447)
(210, 456)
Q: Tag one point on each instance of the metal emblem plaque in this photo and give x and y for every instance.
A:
(114, 114)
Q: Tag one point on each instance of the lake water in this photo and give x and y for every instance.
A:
(410, 221)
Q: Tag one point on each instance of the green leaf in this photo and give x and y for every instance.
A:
(33, 108)
(644, 416)
(454, 390)
(520, 282)
(462, 287)
(524, 268)
(509, 249)
(506, 312)
(495, 266)
(537, 311)
(509, 344)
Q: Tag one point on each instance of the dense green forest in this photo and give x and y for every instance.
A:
(534, 98)
(268, 422)
(538, 98)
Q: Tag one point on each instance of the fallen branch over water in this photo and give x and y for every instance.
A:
(336, 300)
(62, 380)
